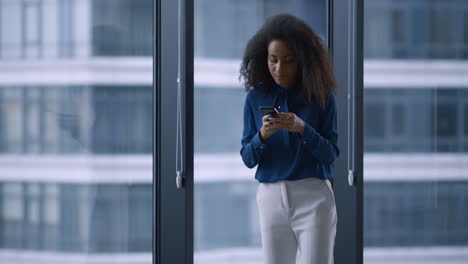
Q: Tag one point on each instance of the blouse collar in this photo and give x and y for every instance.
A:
(287, 90)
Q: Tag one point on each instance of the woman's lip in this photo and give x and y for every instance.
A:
(279, 77)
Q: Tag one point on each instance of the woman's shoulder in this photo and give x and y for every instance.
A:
(331, 101)
(256, 93)
(330, 104)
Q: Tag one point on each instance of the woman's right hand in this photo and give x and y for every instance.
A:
(268, 127)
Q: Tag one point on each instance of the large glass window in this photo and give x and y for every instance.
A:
(76, 124)
(415, 151)
(226, 222)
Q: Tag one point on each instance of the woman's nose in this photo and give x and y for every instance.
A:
(279, 68)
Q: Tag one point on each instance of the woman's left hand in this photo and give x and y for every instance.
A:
(291, 122)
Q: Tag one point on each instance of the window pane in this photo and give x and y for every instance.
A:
(415, 181)
(398, 119)
(226, 218)
(415, 29)
(75, 136)
(465, 26)
(398, 26)
(419, 18)
(377, 27)
(11, 39)
(374, 118)
(122, 27)
(442, 34)
(440, 21)
(446, 120)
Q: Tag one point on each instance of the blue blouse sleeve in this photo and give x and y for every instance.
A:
(253, 148)
(324, 145)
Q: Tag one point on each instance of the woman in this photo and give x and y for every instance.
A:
(286, 65)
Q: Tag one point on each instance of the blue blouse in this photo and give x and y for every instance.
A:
(289, 155)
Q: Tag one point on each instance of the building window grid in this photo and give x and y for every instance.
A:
(409, 208)
(75, 119)
(392, 142)
(35, 48)
(73, 202)
(427, 49)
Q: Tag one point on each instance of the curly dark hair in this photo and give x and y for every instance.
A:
(316, 77)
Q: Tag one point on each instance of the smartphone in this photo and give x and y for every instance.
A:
(267, 110)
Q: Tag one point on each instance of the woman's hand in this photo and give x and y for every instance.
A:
(291, 122)
(288, 121)
(268, 127)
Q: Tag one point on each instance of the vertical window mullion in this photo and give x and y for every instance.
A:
(41, 223)
(23, 29)
(24, 119)
(24, 197)
(40, 29)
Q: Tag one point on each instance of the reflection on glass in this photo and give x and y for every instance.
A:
(226, 221)
(75, 137)
(415, 160)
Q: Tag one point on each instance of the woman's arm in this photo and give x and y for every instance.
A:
(324, 145)
(252, 146)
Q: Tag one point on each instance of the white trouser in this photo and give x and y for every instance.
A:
(297, 219)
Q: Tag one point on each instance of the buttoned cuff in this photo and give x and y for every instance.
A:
(257, 142)
(310, 135)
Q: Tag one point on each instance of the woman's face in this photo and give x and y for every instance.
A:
(282, 63)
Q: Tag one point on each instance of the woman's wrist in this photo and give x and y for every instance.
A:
(262, 135)
(301, 127)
